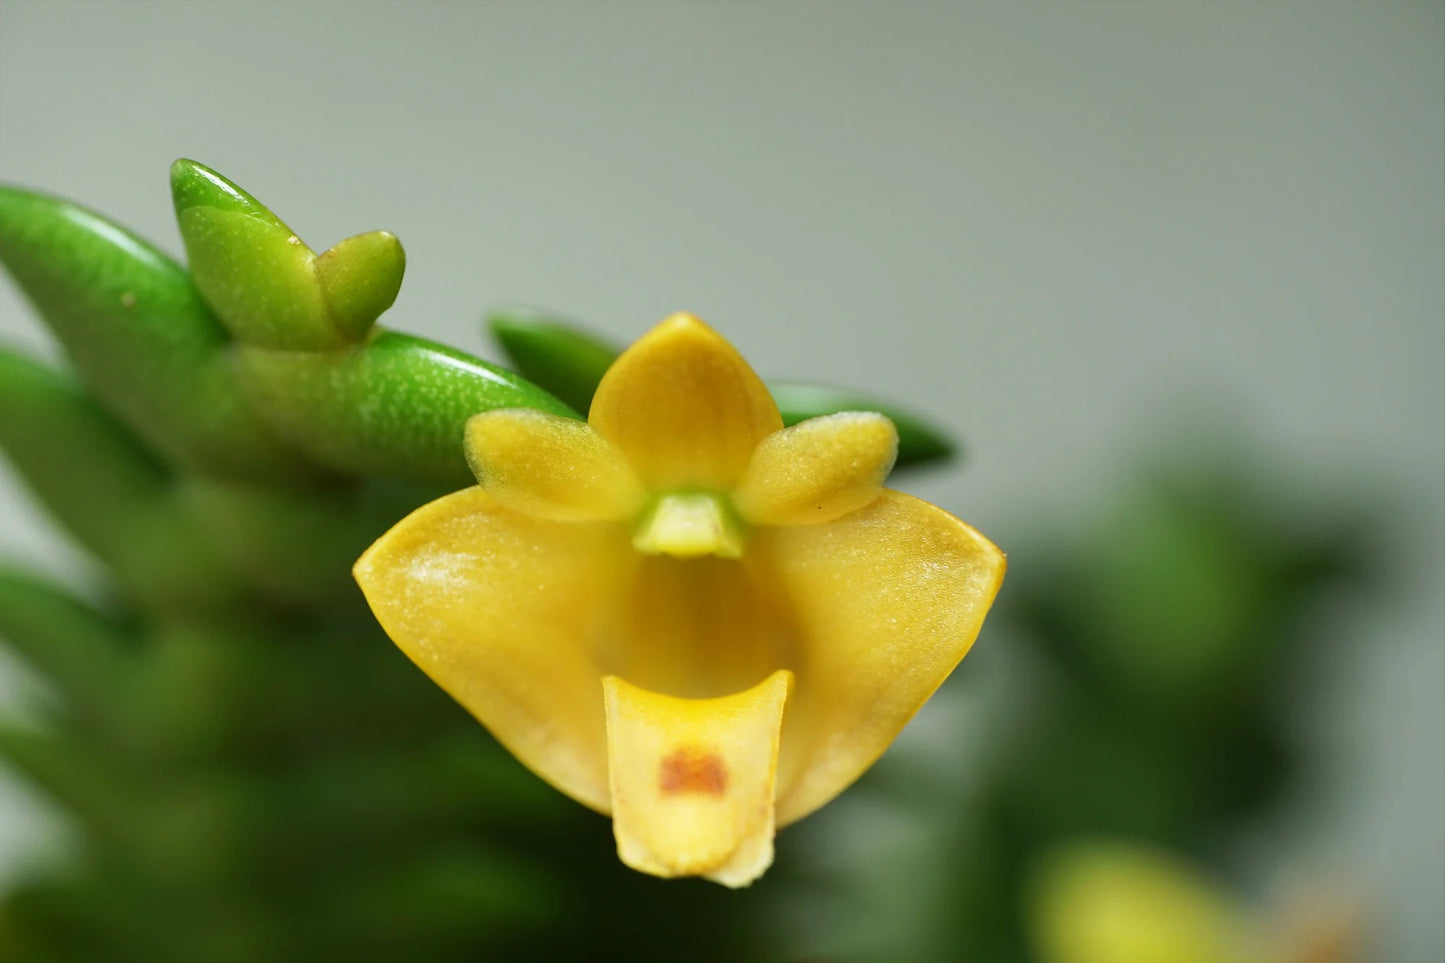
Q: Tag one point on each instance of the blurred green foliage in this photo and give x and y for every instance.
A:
(1143, 721)
(254, 773)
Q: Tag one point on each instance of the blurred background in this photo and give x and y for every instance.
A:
(1173, 272)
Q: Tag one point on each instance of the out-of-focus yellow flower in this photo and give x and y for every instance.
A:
(681, 613)
(1114, 902)
(1111, 901)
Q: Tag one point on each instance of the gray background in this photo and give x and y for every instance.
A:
(1056, 227)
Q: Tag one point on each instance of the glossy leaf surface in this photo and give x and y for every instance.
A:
(395, 407)
(264, 283)
(140, 336)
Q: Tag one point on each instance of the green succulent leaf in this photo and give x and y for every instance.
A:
(69, 774)
(552, 353)
(569, 362)
(103, 486)
(87, 468)
(140, 336)
(166, 830)
(180, 542)
(80, 651)
(919, 442)
(293, 547)
(269, 288)
(360, 278)
(393, 408)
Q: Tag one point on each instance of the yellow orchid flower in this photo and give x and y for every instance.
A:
(679, 612)
(1113, 901)
(1119, 902)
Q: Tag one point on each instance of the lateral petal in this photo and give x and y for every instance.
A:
(501, 609)
(818, 470)
(693, 779)
(550, 466)
(684, 407)
(887, 600)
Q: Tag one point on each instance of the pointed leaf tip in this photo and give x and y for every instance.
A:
(268, 287)
(144, 341)
(193, 184)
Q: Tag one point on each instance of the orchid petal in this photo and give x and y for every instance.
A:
(692, 779)
(695, 628)
(684, 407)
(887, 600)
(553, 467)
(498, 607)
(818, 470)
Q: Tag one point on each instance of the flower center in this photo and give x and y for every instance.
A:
(689, 525)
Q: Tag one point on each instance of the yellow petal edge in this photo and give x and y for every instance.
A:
(497, 607)
(550, 466)
(887, 601)
(818, 470)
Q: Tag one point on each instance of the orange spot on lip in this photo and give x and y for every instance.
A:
(693, 769)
